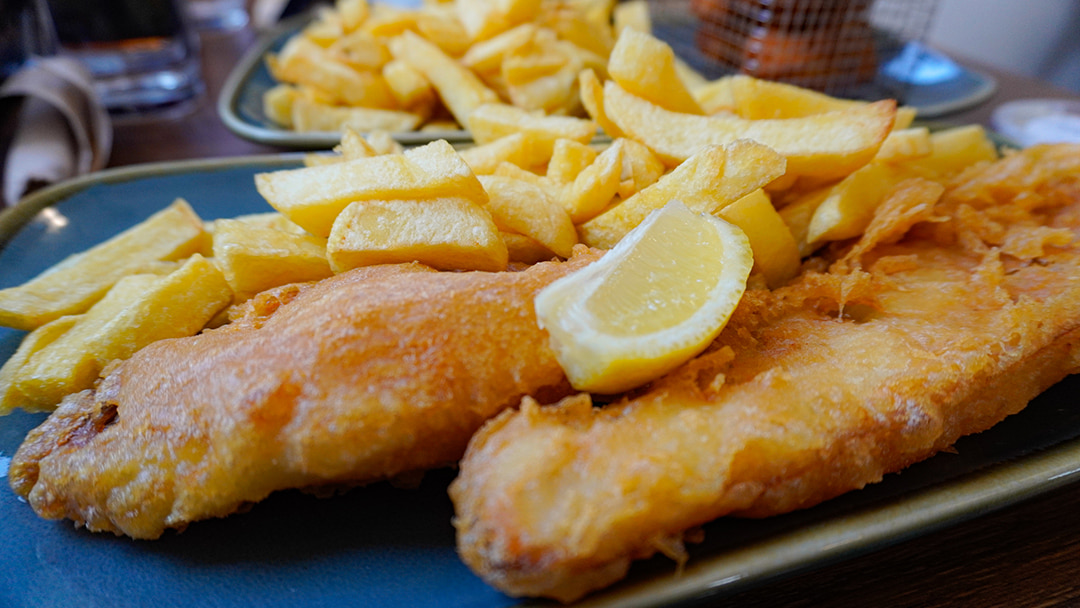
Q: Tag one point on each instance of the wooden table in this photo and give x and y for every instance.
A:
(200, 134)
(1023, 556)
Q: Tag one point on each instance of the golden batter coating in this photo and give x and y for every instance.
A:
(373, 373)
(879, 355)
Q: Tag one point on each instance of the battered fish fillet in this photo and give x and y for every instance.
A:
(880, 354)
(360, 377)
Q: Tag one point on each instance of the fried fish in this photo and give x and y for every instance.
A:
(953, 310)
(373, 373)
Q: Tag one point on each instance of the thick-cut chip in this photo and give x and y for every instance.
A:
(525, 208)
(776, 255)
(492, 121)
(530, 63)
(516, 172)
(449, 233)
(541, 76)
(360, 51)
(905, 115)
(316, 95)
(758, 99)
(441, 26)
(519, 11)
(308, 115)
(584, 26)
(591, 91)
(255, 258)
(324, 29)
(269, 219)
(632, 14)
(717, 96)
(848, 208)
(594, 188)
(568, 159)
(383, 143)
(487, 56)
(304, 62)
(592, 61)
(354, 146)
(953, 150)
(645, 66)
(540, 56)
(352, 13)
(708, 181)
(824, 145)
(692, 78)
(641, 168)
(482, 19)
(10, 395)
(313, 196)
(517, 148)
(74, 284)
(410, 88)
(387, 20)
(797, 215)
(138, 310)
(460, 89)
(781, 187)
(905, 144)
(277, 104)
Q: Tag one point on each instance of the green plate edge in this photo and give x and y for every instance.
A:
(240, 78)
(859, 532)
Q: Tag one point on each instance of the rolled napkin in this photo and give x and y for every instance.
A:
(52, 127)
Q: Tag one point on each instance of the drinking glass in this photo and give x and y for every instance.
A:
(26, 31)
(142, 53)
(217, 14)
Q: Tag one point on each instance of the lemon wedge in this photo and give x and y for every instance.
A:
(653, 302)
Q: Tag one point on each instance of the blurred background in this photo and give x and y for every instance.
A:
(1037, 38)
(161, 77)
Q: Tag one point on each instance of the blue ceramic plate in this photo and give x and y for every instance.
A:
(240, 104)
(383, 546)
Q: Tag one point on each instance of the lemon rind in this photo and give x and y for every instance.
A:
(599, 362)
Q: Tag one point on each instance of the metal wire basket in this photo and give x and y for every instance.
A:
(835, 46)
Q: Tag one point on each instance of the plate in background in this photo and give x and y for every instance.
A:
(382, 546)
(240, 104)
